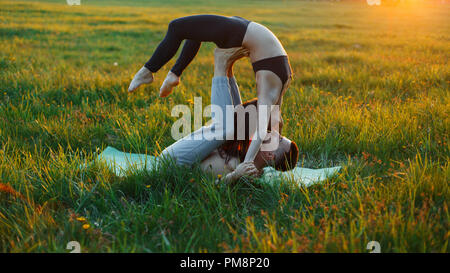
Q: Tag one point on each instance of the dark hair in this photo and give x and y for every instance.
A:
(288, 160)
(238, 148)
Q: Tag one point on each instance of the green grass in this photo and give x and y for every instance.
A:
(371, 93)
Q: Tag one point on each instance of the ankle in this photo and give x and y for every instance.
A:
(172, 79)
(230, 71)
(172, 75)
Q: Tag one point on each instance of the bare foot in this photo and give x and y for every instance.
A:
(143, 76)
(169, 83)
(229, 56)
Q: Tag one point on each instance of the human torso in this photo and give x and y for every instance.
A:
(262, 43)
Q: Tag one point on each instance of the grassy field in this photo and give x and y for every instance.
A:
(371, 93)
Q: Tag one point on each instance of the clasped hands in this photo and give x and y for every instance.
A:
(245, 169)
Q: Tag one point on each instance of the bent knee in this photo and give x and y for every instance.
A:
(223, 129)
(174, 25)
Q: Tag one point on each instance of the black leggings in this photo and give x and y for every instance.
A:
(225, 32)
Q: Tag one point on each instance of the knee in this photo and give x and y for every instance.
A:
(223, 128)
(170, 155)
(174, 25)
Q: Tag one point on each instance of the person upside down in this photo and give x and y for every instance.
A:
(235, 37)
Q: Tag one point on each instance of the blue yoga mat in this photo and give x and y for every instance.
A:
(120, 163)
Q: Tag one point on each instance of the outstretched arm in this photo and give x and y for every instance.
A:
(269, 91)
(269, 87)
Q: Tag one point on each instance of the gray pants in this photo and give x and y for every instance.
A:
(199, 144)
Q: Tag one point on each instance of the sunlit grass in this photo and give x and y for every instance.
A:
(371, 93)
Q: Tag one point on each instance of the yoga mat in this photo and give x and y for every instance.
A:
(120, 162)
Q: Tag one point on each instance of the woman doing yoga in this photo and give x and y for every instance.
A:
(229, 155)
(269, 60)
